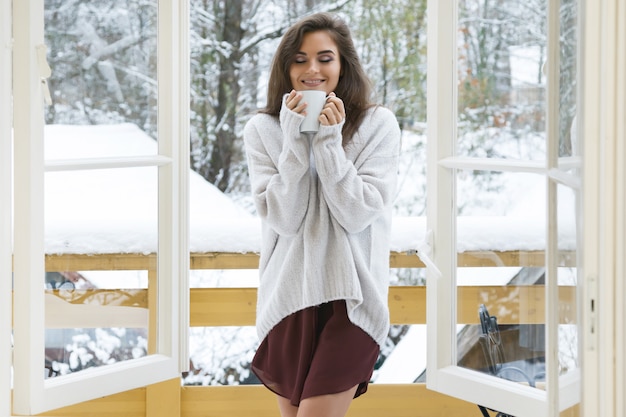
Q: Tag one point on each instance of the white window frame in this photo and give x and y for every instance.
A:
(603, 104)
(33, 394)
(443, 374)
(6, 209)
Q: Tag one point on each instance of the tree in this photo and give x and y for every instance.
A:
(103, 60)
(391, 38)
(489, 29)
(103, 57)
(231, 41)
(567, 76)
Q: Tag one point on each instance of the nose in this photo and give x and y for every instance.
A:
(313, 67)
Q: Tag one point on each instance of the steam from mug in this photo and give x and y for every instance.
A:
(315, 100)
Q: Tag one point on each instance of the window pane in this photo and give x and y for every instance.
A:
(567, 280)
(100, 242)
(103, 61)
(501, 88)
(101, 225)
(501, 275)
(568, 78)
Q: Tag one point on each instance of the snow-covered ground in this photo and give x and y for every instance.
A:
(114, 210)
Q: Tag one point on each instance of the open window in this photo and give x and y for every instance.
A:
(118, 195)
(527, 51)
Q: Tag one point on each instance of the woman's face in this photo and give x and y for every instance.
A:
(316, 65)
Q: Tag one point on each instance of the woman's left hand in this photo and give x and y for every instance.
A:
(333, 112)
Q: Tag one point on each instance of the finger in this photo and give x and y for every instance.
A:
(295, 103)
(330, 115)
(335, 112)
(293, 99)
(338, 104)
(289, 99)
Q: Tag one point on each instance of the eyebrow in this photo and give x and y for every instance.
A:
(327, 51)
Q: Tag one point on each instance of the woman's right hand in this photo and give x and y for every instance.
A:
(294, 102)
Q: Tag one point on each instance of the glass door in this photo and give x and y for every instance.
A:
(503, 203)
(101, 170)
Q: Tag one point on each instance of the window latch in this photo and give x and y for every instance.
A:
(424, 252)
(44, 72)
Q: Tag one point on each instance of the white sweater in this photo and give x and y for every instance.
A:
(326, 216)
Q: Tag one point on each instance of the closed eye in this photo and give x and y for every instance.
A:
(323, 57)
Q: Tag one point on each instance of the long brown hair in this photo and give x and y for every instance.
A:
(354, 87)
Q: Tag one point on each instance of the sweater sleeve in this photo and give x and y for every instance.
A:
(359, 191)
(279, 170)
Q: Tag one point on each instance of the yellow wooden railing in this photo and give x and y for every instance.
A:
(236, 307)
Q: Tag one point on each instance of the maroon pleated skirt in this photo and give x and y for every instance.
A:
(316, 351)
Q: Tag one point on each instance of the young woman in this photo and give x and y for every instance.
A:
(325, 203)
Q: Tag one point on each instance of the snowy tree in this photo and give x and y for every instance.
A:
(488, 30)
(230, 42)
(567, 76)
(103, 57)
(103, 60)
(391, 39)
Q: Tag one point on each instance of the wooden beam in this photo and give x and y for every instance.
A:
(381, 400)
(101, 262)
(407, 304)
(127, 404)
(215, 260)
(397, 400)
(226, 307)
(163, 399)
(221, 260)
(153, 297)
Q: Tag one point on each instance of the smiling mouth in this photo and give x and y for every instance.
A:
(312, 83)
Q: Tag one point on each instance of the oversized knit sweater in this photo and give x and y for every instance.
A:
(326, 216)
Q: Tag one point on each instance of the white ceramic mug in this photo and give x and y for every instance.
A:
(315, 100)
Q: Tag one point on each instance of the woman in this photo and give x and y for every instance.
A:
(325, 203)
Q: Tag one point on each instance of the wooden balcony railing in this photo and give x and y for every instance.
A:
(236, 307)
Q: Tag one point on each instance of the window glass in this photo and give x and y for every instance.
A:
(567, 278)
(100, 241)
(103, 61)
(501, 275)
(501, 78)
(100, 224)
(503, 219)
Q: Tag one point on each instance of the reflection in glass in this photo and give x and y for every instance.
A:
(568, 196)
(567, 279)
(100, 242)
(71, 348)
(501, 276)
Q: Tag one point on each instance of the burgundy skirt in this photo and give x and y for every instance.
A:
(316, 351)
